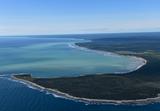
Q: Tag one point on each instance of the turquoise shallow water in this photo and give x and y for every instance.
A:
(36, 56)
(56, 57)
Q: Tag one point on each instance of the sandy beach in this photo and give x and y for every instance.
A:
(59, 94)
(144, 61)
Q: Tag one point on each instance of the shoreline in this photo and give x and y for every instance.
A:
(73, 45)
(58, 94)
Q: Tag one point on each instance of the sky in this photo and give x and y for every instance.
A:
(21, 17)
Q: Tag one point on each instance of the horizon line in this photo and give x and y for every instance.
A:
(5, 35)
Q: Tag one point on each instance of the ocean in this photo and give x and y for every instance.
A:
(59, 57)
(56, 57)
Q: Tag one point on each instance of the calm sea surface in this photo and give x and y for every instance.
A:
(55, 57)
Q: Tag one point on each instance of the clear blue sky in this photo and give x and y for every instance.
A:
(78, 16)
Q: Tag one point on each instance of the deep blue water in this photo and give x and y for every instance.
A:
(15, 96)
(18, 97)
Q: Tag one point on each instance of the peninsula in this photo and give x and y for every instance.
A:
(140, 86)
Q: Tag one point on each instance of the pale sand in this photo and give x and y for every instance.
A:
(144, 61)
(59, 94)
